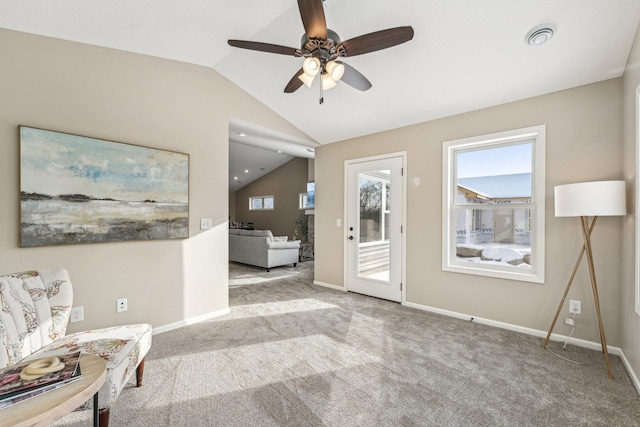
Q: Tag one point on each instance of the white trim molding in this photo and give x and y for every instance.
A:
(330, 286)
(190, 321)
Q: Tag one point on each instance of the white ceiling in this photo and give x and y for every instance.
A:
(255, 151)
(465, 55)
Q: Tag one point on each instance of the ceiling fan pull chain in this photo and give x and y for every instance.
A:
(321, 89)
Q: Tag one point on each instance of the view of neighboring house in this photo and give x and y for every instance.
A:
(481, 224)
(494, 202)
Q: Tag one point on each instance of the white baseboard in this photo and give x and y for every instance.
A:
(329, 285)
(190, 321)
(535, 332)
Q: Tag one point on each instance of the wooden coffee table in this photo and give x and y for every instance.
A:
(44, 409)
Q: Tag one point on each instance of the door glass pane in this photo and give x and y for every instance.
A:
(374, 214)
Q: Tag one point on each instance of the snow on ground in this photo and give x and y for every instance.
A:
(498, 253)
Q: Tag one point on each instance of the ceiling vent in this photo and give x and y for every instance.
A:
(540, 35)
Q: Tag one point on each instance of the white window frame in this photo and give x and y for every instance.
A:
(450, 148)
(263, 199)
(302, 201)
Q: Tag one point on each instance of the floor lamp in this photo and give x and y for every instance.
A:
(584, 200)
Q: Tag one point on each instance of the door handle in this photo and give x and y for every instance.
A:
(350, 237)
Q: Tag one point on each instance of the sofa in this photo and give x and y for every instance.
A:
(261, 249)
(35, 307)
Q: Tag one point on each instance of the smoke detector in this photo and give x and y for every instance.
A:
(540, 35)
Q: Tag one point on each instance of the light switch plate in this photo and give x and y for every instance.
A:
(206, 223)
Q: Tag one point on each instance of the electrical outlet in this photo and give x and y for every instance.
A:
(206, 223)
(121, 305)
(570, 321)
(77, 314)
(575, 306)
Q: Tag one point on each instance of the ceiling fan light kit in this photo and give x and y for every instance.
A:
(321, 47)
(333, 72)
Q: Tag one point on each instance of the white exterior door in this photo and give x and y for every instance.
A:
(375, 215)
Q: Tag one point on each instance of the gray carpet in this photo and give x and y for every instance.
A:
(294, 354)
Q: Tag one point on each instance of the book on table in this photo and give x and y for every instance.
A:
(14, 389)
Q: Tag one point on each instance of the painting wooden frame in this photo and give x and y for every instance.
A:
(77, 189)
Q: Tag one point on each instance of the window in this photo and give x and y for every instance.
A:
(493, 205)
(261, 203)
(302, 201)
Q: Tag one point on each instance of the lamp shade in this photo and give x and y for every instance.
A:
(327, 82)
(335, 70)
(311, 66)
(306, 79)
(597, 198)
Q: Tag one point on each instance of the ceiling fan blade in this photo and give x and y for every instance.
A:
(265, 47)
(295, 83)
(312, 14)
(375, 41)
(353, 78)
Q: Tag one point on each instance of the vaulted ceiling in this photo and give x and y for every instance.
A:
(465, 54)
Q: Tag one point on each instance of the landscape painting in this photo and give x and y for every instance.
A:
(76, 189)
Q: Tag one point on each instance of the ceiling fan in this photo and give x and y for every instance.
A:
(322, 48)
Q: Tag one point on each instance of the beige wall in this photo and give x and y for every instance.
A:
(311, 175)
(114, 95)
(629, 319)
(285, 183)
(583, 142)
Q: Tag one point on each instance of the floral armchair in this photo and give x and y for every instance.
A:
(34, 314)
